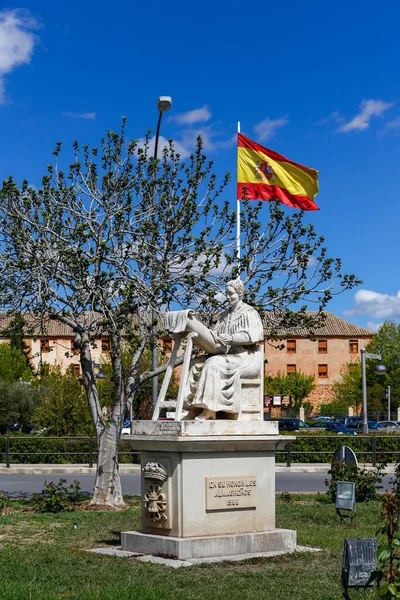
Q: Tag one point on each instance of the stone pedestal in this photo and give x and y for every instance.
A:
(208, 489)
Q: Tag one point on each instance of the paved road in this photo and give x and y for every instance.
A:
(23, 486)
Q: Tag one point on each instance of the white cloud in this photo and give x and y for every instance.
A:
(368, 109)
(266, 129)
(376, 305)
(335, 117)
(189, 138)
(393, 124)
(374, 326)
(198, 115)
(162, 143)
(89, 115)
(16, 42)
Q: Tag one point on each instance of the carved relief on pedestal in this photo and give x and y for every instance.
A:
(154, 496)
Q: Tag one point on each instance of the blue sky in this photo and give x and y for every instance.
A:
(316, 81)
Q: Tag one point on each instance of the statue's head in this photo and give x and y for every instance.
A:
(238, 286)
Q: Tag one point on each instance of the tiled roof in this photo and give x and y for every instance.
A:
(52, 329)
(333, 327)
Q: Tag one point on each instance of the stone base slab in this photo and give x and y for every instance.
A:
(174, 563)
(204, 428)
(229, 546)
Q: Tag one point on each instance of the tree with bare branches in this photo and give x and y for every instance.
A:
(121, 236)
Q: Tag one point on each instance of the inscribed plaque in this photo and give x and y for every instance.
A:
(227, 493)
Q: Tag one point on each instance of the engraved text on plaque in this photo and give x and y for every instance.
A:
(227, 493)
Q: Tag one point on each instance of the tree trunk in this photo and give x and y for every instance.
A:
(107, 490)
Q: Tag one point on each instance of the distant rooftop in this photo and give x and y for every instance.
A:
(334, 326)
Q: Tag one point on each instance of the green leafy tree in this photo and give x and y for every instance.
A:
(337, 408)
(62, 408)
(297, 385)
(387, 343)
(120, 235)
(347, 389)
(13, 364)
(17, 404)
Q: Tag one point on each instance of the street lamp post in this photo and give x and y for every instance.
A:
(388, 401)
(163, 104)
(380, 369)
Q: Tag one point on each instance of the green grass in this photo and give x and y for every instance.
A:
(43, 557)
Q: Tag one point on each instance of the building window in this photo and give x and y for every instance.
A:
(290, 369)
(76, 370)
(74, 348)
(45, 346)
(322, 371)
(105, 346)
(353, 346)
(167, 345)
(291, 346)
(322, 346)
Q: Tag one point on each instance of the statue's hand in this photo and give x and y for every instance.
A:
(225, 338)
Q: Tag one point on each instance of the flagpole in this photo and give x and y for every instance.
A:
(238, 217)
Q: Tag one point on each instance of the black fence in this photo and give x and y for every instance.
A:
(58, 450)
(369, 449)
(306, 448)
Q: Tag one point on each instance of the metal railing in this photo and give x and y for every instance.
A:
(373, 453)
(20, 447)
(9, 449)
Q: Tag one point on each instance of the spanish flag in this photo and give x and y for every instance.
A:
(266, 175)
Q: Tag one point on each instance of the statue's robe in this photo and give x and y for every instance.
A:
(214, 381)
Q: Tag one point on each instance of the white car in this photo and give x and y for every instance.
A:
(391, 426)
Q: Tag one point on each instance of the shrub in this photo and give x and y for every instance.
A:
(395, 481)
(387, 573)
(56, 497)
(4, 500)
(366, 481)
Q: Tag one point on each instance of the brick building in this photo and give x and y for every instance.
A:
(322, 355)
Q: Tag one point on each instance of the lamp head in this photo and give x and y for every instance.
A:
(380, 369)
(164, 103)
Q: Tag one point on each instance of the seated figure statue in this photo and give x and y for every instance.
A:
(213, 385)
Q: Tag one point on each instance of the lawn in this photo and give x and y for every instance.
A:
(42, 556)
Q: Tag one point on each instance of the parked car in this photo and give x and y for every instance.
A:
(318, 424)
(288, 424)
(390, 425)
(372, 426)
(344, 420)
(323, 419)
(354, 422)
(339, 428)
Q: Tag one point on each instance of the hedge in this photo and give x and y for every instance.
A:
(39, 450)
(307, 446)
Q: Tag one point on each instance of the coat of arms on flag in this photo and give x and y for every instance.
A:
(264, 172)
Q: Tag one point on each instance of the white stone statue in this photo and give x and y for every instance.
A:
(213, 385)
